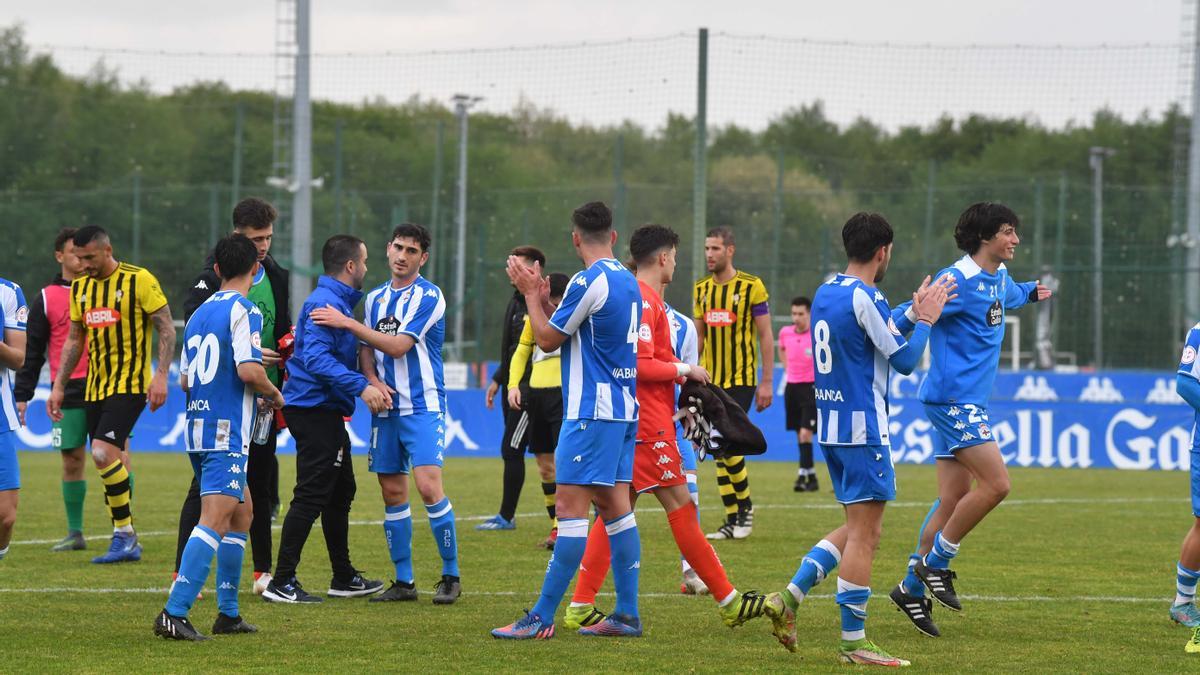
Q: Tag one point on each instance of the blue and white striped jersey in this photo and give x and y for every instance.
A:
(683, 336)
(223, 332)
(16, 314)
(853, 338)
(600, 313)
(1189, 365)
(417, 310)
(964, 345)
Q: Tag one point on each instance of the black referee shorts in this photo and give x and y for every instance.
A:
(800, 404)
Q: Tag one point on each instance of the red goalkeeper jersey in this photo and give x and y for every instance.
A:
(656, 373)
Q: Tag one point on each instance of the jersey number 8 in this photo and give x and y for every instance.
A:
(203, 363)
(822, 354)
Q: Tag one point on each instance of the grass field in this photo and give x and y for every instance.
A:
(1072, 574)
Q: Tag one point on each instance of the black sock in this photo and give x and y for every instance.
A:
(806, 456)
(514, 479)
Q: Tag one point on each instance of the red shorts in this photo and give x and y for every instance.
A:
(657, 464)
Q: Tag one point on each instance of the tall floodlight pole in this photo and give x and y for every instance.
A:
(1096, 158)
(301, 282)
(1192, 278)
(462, 104)
(700, 175)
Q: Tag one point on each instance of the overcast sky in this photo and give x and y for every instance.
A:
(751, 80)
(375, 25)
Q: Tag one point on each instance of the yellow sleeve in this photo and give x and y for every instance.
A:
(76, 311)
(521, 355)
(150, 295)
(758, 293)
(697, 309)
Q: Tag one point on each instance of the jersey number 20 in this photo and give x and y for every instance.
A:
(203, 364)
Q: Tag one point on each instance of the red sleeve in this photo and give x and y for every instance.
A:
(650, 332)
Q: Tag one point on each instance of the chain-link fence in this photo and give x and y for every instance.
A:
(156, 148)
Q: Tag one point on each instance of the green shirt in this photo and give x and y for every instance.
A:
(263, 297)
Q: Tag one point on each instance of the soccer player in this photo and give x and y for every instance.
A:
(658, 465)
(254, 218)
(1187, 570)
(597, 327)
(112, 309)
(855, 345)
(12, 354)
(323, 383)
(49, 323)
(733, 321)
(221, 370)
(540, 402)
(795, 351)
(516, 422)
(403, 328)
(965, 351)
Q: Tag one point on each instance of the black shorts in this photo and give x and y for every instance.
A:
(111, 420)
(516, 430)
(544, 408)
(800, 403)
(743, 394)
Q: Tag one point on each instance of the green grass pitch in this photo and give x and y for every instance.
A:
(1073, 574)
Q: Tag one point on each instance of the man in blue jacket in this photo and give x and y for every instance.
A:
(323, 383)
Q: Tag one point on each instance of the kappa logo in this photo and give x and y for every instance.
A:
(879, 297)
(226, 586)
(430, 293)
(440, 457)
(960, 425)
(201, 285)
(235, 469)
(441, 443)
(967, 436)
(182, 580)
(659, 445)
(982, 287)
(663, 459)
(440, 429)
(645, 304)
(234, 485)
(580, 281)
(637, 565)
(668, 475)
(954, 411)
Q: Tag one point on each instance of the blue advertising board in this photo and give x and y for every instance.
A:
(1120, 420)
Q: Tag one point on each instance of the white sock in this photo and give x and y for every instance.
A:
(729, 598)
(3, 552)
(796, 592)
(124, 529)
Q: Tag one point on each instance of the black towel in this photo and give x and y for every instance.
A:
(716, 411)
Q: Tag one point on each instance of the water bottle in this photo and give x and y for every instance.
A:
(262, 424)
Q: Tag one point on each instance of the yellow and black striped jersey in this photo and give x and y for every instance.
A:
(730, 335)
(115, 312)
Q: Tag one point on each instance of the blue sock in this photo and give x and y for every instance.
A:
(818, 564)
(441, 522)
(568, 553)
(193, 570)
(397, 529)
(941, 555)
(229, 571)
(1185, 585)
(626, 562)
(852, 599)
(911, 584)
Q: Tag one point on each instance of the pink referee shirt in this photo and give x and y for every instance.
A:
(797, 349)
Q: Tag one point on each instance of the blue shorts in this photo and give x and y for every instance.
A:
(1195, 483)
(220, 473)
(957, 427)
(595, 452)
(687, 451)
(861, 473)
(10, 473)
(400, 442)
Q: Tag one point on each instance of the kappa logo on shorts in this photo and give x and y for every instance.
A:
(967, 436)
(663, 459)
(954, 411)
(235, 469)
(234, 485)
(668, 475)
(960, 425)
(659, 445)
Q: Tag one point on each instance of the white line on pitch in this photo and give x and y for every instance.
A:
(971, 598)
(824, 506)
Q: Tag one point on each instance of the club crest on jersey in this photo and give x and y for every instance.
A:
(120, 294)
(995, 314)
(719, 318)
(1189, 355)
(985, 432)
(388, 325)
(101, 317)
